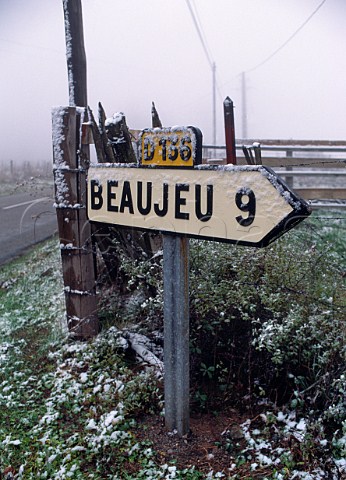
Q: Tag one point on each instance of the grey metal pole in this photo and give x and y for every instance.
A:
(244, 105)
(289, 179)
(176, 333)
(214, 105)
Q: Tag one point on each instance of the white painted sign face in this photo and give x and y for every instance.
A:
(245, 205)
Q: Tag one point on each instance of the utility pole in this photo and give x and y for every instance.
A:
(244, 105)
(214, 104)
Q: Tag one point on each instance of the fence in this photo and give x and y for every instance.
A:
(17, 171)
(316, 170)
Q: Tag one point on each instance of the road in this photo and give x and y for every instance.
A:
(25, 219)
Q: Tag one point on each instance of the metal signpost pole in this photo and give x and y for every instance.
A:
(176, 332)
(176, 324)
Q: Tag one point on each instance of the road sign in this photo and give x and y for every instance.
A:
(247, 205)
(171, 147)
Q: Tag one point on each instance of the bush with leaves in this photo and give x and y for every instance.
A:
(263, 322)
(270, 321)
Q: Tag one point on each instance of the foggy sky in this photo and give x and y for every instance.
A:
(143, 51)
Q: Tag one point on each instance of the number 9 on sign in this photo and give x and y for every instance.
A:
(245, 200)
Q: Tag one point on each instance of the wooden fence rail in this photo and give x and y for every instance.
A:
(314, 169)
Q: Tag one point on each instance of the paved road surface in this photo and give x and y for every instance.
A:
(25, 219)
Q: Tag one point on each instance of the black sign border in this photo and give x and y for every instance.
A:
(301, 208)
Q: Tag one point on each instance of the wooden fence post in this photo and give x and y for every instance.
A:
(229, 131)
(74, 228)
(75, 52)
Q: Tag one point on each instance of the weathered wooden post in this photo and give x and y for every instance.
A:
(75, 53)
(229, 131)
(71, 160)
(74, 228)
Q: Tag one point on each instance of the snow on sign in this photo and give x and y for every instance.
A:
(171, 147)
(247, 205)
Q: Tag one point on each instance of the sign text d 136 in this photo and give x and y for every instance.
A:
(171, 147)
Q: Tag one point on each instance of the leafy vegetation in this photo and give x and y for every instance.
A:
(267, 336)
(264, 322)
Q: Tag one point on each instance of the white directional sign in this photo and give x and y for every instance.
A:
(247, 205)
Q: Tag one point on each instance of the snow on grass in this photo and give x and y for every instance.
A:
(68, 410)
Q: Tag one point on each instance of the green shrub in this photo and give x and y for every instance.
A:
(269, 321)
(263, 322)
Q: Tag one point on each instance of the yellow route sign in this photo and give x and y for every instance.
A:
(171, 147)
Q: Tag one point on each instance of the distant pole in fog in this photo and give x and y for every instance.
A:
(212, 64)
(214, 104)
(244, 105)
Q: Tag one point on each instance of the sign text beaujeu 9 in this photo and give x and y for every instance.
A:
(247, 205)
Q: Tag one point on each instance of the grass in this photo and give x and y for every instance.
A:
(35, 184)
(68, 410)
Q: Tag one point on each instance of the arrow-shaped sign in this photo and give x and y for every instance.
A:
(247, 205)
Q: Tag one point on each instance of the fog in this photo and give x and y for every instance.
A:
(143, 51)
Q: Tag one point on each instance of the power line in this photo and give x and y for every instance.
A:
(198, 24)
(212, 65)
(288, 40)
(200, 34)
